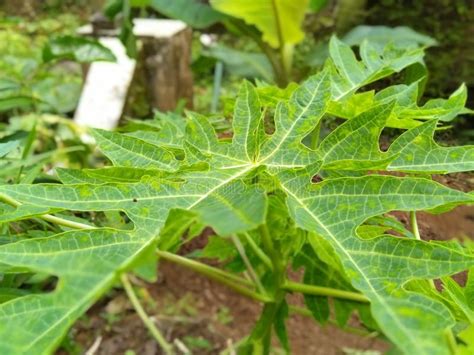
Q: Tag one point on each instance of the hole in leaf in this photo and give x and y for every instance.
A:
(269, 121)
(387, 137)
(18, 284)
(395, 223)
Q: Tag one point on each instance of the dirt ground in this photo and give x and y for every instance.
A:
(208, 318)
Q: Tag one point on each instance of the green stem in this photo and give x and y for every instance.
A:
(262, 332)
(285, 62)
(267, 50)
(27, 148)
(451, 341)
(167, 347)
(202, 268)
(268, 245)
(414, 225)
(324, 291)
(416, 233)
(218, 275)
(47, 217)
(251, 270)
(259, 252)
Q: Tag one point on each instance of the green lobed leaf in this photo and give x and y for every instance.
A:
(457, 295)
(354, 145)
(86, 262)
(379, 266)
(133, 152)
(418, 152)
(218, 181)
(349, 74)
(293, 121)
(166, 130)
(218, 195)
(406, 113)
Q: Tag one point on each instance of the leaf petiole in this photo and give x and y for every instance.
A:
(414, 225)
(237, 283)
(253, 275)
(167, 347)
(324, 291)
(259, 252)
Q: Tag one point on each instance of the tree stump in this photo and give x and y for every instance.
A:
(168, 70)
(163, 68)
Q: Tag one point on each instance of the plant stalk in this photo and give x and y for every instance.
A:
(416, 233)
(235, 282)
(268, 245)
(285, 60)
(251, 270)
(259, 252)
(262, 332)
(414, 225)
(324, 291)
(269, 52)
(451, 341)
(167, 347)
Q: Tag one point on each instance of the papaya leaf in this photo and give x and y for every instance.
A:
(354, 145)
(132, 152)
(379, 266)
(350, 74)
(458, 297)
(227, 184)
(418, 152)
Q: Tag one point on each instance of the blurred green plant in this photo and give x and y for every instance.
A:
(33, 73)
(32, 144)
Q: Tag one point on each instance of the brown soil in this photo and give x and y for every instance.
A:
(191, 308)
